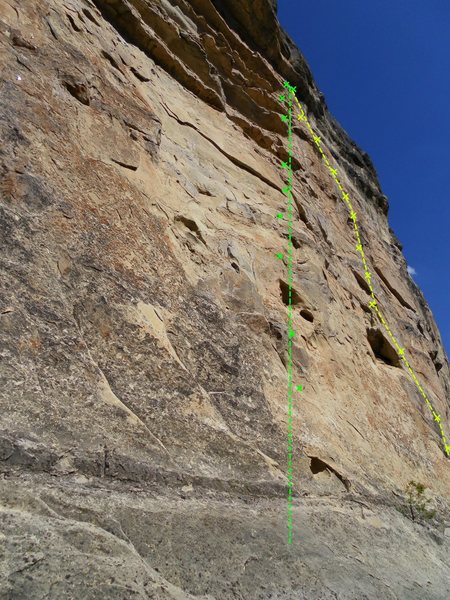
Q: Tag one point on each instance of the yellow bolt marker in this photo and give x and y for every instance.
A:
(373, 304)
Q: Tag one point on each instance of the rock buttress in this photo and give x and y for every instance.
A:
(143, 321)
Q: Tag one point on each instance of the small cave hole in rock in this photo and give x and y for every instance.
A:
(295, 297)
(75, 26)
(438, 366)
(189, 223)
(235, 267)
(382, 349)
(307, 315)
(317, 465)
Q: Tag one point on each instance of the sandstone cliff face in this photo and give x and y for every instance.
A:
(143, 323)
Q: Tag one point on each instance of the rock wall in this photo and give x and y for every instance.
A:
(143, 432)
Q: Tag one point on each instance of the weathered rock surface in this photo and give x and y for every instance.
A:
(143, 321)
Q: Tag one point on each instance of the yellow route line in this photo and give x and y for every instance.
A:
(373, 304)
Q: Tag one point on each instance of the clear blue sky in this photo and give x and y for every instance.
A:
(384, 67)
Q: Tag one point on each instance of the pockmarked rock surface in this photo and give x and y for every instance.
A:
(143, 427)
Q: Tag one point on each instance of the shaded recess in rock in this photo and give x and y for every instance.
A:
(192, 226)
(438, 364)
(319, 466)
(362, 282)
(77, 87)
(382, 348)
(295, 296)
(302, 214)
(307, 315)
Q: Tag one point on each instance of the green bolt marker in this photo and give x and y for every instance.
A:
(280, 255)
(291, 88)
(280, 216)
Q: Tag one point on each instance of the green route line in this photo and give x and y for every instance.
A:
(291, 332)
(290, 268)
(373, 304)
(290, 260)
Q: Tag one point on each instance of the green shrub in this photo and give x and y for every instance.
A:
(418, 503)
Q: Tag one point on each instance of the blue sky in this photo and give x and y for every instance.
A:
(384, 67)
